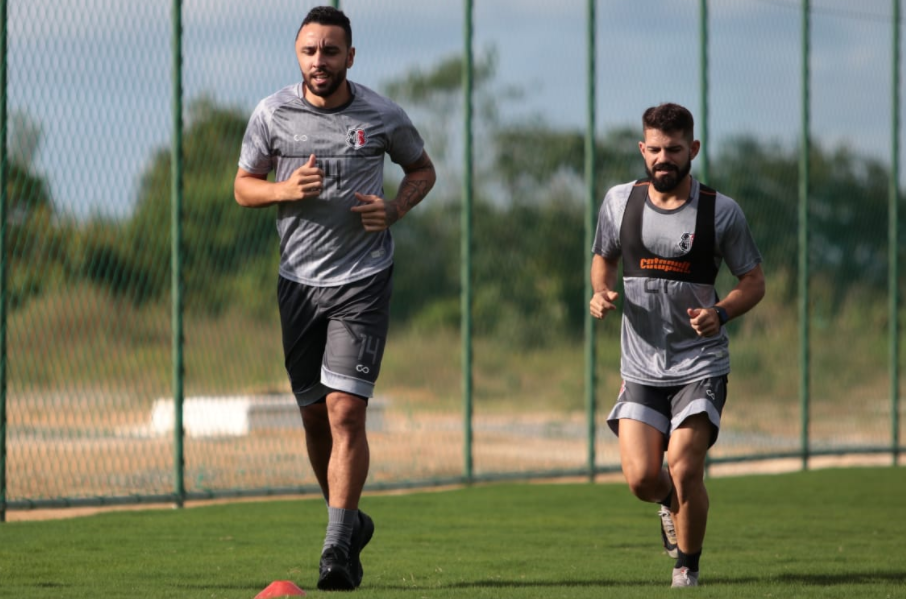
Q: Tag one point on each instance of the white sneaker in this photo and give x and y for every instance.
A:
(684, 577)
(668, 532)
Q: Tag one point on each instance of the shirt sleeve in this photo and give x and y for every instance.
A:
(405, 144)
(736, 244)
(256, 155)
(607, 231)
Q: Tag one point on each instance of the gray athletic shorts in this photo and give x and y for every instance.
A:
(334, 337)
(665, 408)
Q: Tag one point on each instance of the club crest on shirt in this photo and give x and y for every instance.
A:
(355, 137)
(685, 242)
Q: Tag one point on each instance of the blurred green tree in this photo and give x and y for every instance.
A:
(36, 241)
(227, 250)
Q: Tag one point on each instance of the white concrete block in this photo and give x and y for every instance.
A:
(238, 415)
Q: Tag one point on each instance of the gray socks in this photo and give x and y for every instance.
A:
(340, 523)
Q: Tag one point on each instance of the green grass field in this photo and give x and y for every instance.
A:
(827, 533)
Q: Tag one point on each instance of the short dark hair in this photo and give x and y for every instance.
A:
(670, 118)
(328, 15)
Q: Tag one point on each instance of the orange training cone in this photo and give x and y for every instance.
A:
(280, 588)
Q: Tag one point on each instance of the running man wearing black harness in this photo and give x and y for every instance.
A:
(672, 234)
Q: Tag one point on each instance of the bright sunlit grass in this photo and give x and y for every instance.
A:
(830, 533)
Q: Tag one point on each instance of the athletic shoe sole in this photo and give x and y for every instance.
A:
(668, 532)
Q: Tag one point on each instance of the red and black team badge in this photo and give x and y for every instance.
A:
(685, 242)
(355, 137)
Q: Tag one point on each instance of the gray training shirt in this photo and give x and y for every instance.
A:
(322, 243)
(659, 346)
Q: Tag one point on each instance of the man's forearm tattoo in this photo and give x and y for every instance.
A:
(413, 190)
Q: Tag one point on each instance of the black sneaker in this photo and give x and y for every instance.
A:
(361, 534)
(334, 571)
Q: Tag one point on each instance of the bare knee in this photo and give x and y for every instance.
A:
(683, 472)
(688, 476)
(646, 484)
(642, 456)
(686, 454)
(346, 413)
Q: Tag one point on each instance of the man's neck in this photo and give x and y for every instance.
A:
(338, 98)
(670, 200)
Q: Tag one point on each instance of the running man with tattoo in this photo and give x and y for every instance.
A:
(325, 139)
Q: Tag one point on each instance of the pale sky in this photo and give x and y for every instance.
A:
(94, 74)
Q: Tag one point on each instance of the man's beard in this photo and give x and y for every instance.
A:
(335, 82)
(669, 179)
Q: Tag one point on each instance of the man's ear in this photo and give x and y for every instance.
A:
(694, 148)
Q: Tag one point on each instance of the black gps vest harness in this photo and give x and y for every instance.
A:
(696, 266)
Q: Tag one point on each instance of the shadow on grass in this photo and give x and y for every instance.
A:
(821, 580)
(250, 587)
(818, 580)
(824, 580)
(50, 585)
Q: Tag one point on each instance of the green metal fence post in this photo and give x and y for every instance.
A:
(803, 242)
(893, 237)
(589, 240)
(176, 167)
(705, 172)
(466, 245)
(3, 258)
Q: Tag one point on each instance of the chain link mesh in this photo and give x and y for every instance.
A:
(90, 351)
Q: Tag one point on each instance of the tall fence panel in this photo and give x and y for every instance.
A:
(88, 93)
(529, 240)
(849, 246)
(90, 385)
(755, 127)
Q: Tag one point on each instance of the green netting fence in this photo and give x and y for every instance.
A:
(141, 357)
